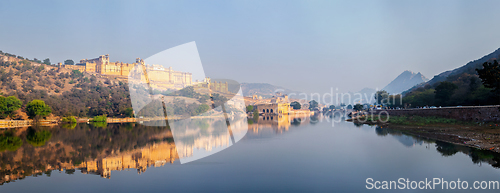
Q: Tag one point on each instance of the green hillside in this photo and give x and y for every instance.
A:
(461, 86)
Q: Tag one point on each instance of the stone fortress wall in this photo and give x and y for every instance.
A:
(159, 76)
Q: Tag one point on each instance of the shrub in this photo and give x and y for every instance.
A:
(70, 119)
(102, 118)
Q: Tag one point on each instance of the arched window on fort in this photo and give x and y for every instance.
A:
(264, 110)
(271, 111)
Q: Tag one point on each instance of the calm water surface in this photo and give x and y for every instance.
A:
(301, 156)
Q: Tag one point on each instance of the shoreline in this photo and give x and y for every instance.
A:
(485, 137)
(7, 124)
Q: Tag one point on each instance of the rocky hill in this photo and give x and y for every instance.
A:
(466, 87)
(469, 68)
(67, 92)
(73, 93)
(263, 89)
(405, 81)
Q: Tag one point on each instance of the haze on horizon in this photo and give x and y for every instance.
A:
(308, 46)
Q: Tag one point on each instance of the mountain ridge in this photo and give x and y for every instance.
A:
(404, 81)
(263, 89)
(469, 67)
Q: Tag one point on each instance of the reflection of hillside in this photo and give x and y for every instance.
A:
(117, 147)
(407, 140)
(89, 148)
(477, 156)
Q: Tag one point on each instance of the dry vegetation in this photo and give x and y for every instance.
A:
(67, 92)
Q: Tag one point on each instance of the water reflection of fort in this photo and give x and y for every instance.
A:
(59, 154)
(197, 137)
(203, 134)
(156, 155)
(206, 143)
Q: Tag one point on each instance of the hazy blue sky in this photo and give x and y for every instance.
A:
(302, 45)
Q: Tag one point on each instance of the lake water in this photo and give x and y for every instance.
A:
(289, 156)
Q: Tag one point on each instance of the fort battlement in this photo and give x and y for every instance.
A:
(159, 76)
(102, 65)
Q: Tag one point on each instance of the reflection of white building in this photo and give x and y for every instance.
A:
(206, 138)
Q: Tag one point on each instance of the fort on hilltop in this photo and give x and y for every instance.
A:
(159, 76)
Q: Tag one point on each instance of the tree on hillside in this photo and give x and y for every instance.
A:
(419, 98)
(358, 107)
(381, 96)
(128, 112)
(443, 92)
(37, 109)
(349, 106)
(395, 100)
(69, 62)
(218, 99)
(46, 61)
(8, 105)
(201, 109)
(312, 105)
(331, 107)
(490, 76)
(295, 105)
(188, 92)
(249, 108)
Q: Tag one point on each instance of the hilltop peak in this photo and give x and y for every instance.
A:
(404, 81)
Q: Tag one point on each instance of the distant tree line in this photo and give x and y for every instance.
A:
(46, 61)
